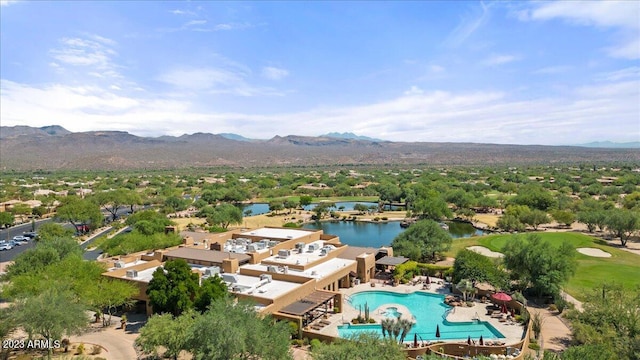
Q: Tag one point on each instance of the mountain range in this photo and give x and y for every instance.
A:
(53, 148)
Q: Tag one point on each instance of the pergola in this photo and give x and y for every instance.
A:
(306, 307)
(388, 261)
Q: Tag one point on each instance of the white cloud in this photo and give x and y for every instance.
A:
(214, 81)
(232, 26)
(552, 70)
(414, 90)
(600, 111)
(195, 22)
(621, 15)
(274, 73)
(7, 2)
(622, 74)
(436, 69)
(182, 12)
(85, 52)
(495, 60)
(469, 24)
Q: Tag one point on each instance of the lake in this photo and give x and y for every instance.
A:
(263, 208)
(372, 234)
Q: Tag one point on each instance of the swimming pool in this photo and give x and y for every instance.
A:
(429, 311)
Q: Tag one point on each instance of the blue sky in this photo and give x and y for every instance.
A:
(514, 72)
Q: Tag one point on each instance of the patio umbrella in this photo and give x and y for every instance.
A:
(481, 340)
(501, 297)
(503, 308)
(428, 281)
(438, 331)
(415, 340)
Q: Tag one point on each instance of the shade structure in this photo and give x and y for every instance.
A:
(501, 297)
(415, 340)
(438, 331)
(481, 340)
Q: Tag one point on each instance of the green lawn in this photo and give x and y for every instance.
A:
(622, 267)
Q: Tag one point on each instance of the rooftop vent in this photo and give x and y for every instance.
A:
(284, 254)
(132, 273)
(119, 264)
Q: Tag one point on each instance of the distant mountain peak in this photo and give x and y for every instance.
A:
(349, 135)
(236, 137)
(612, 145)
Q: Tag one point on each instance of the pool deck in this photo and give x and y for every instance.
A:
(512, 332)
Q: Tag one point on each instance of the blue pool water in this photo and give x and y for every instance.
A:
(429, 311)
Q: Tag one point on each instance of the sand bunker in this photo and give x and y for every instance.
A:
(486, 252)
(593, 252)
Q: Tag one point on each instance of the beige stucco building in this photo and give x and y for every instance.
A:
(293, 274)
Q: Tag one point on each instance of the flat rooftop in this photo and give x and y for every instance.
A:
(305, 257)
(317, 272)
(129, 264)
(273, 233)
(252, 285)
(214, 256)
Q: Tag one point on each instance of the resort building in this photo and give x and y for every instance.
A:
(293, 274)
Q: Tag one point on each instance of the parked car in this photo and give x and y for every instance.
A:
(15, 243)
(20, 238)
(5, 246)
(30, 235)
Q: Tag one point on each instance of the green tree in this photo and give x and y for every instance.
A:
(173, 288)
(106, 295)
(535, 197)
(422, 241)
(476, 267)
(610, 321)
(50, 231)
(6, 219)
(52, 315)
(290, 204)
(622, 223)
(231, 330)
(45, 253)
(167, 332)
(305, 200)
(212, 288)
(275, 205)
(362, 346)
(592, 218)
(114, 200)
(538, 264)
(535, 218)
(225, 215)
(360, 208)
(79, 211)
(563, 217)
(431, 206)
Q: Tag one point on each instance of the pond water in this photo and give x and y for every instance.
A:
(372, 234)
(263, 208)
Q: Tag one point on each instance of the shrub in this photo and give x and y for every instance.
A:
(385, 218)
(376, 219)
(96, 349)
(355, 321)
(553, 307)
(291, 225)
(534, 346)
(315, 344)
(371, 321)
(80, 349)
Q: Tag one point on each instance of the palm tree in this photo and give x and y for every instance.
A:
(386, 326)
(406, 326)
(465, 286)
(396, 328)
